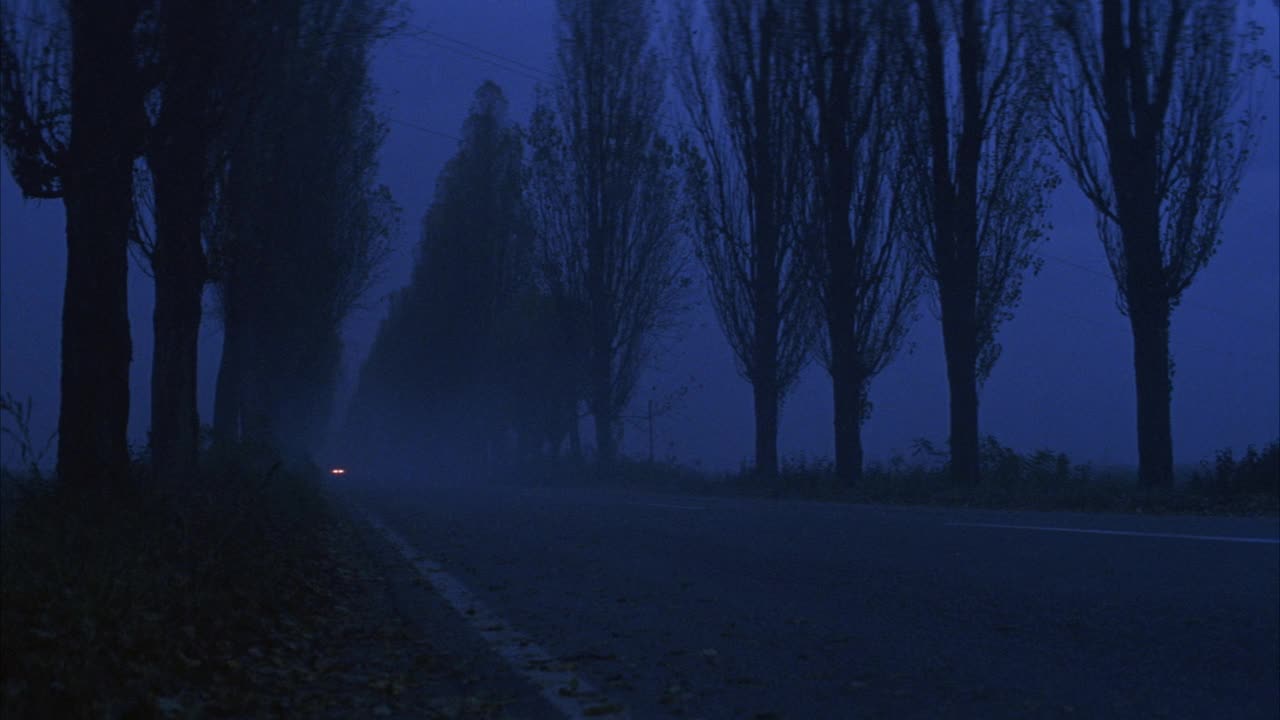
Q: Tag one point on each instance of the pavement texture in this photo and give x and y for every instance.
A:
(696, 607)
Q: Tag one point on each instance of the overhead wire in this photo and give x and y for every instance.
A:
(1110, 280)
(419, 30)
(481, 54)
(420, 128)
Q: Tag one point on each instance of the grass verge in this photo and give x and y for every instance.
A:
(241, 595)
(1042, 480)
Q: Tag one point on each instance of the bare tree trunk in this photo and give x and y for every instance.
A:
(765, 384)
(602, 412)
(766, 414)
(226, 397)
(853, 452)
(1149, 314)
(601, 352)
(848, 429)
(845, 384)
(1149, 306)
(96, 347)
(958, 333)
(846, 397)
(1155, 390)
(179, 266)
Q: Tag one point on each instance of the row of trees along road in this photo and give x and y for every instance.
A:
(841, 160)
(858, 152)
(164, 125)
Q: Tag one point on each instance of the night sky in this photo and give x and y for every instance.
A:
(1064, 381)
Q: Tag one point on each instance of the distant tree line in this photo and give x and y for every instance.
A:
(459, 358)
(544, 278)
(835, 163)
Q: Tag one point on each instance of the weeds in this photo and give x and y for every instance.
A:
(121, 604)
(1039, 480)
(15, 424)
(15, 428)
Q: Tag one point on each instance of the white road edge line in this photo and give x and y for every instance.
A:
(563, 688)
(1132, 533)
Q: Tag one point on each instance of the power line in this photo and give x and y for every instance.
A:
(470, 56)
(478, 49)
(477, 53)
(427, 130)
(1077, 266)
(481, 54)
(1194, 306)
(1120, 332)
(1174, 341)
(498, 60)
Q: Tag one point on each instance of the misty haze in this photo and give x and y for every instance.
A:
(639, 358)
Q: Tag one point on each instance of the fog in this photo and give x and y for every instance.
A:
(1064, 380)
(631, 358)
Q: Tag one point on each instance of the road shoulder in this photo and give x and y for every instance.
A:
(449, 670)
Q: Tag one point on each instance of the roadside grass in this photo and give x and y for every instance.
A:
(1040, 480)
(230, 596)
(121, 603)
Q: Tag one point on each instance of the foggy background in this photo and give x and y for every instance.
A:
(1064, 380)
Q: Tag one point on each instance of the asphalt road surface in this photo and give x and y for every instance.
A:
(677, 606)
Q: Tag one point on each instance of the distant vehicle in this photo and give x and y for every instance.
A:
(338, 471)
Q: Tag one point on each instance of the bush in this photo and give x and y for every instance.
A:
(1257, 473)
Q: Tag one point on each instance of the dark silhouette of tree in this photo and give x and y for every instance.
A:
(202, 72)
(444, 365)
(974, 158)
(859, 254)
(543, 383)
(72, 125)
(604, 178)
(747, 178)
(1144, 116)
(300, 225)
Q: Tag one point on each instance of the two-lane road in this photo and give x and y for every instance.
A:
(736, 608)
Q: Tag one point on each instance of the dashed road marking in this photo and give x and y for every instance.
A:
(564, 689)
(1130, 533)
